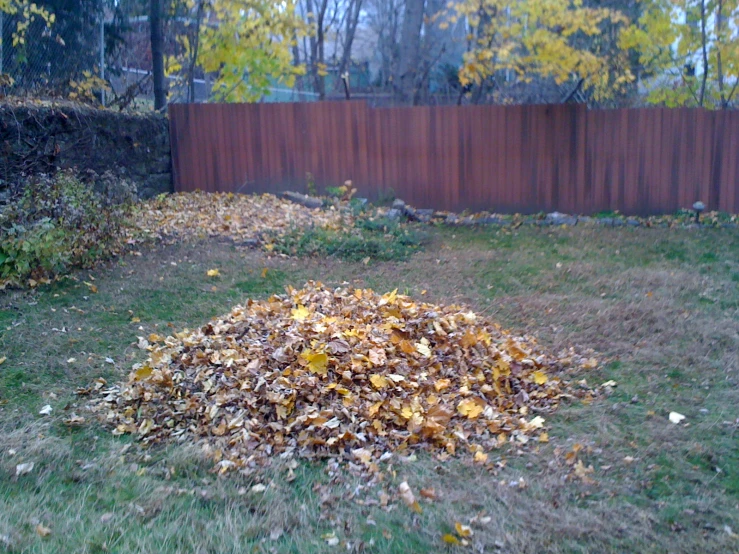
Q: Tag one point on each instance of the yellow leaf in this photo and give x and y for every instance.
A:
(471, 407)
(42, 530)
(464, 531)
(213, 273)
(264, 273)
(2, 360)
(544, 437)
(300, 313)
(423, 349)
(540, 377)
(406, 495)
(317, 361)
(378, 381)
(442, 384)
(144, 372)
(450, 539)
(480, 457)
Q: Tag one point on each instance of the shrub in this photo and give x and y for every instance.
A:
(62, 221)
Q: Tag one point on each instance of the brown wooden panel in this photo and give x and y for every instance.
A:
(517, 158)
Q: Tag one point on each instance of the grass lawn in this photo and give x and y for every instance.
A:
(660, 307)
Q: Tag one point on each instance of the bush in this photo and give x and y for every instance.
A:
(378, 239)
(62, 221)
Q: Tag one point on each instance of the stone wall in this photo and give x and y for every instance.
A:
(45, 137)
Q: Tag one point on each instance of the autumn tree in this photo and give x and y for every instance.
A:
(550, 39)
(689, 50)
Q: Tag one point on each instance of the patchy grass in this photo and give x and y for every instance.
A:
(660, 307)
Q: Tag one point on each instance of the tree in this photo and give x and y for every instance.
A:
(157, 54)
(404, 81)
(550, 39)
(689, 50)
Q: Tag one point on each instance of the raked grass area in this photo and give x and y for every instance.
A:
(659, 308)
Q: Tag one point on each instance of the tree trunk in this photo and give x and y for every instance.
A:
(157, 55)
(404, 82)
(195, 46)
(352, 21)
(704, 47)
(719, 64)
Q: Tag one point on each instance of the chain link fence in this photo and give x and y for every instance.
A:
(62, 58)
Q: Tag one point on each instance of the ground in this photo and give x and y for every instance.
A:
(660, 307)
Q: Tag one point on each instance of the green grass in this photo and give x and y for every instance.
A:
(659, 307)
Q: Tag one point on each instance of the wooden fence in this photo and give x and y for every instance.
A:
(499, 158)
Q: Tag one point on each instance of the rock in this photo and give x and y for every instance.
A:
(452, 219)
(393, 213)
(556, 218)
(633, 222)
(605, 221)
(618, 223)
(398, 204)
(489, 220)
(584, 219)
(302, 199)
(362, 202)
(424, 215)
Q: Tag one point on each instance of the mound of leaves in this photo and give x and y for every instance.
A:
(238, 217)
(342, 373)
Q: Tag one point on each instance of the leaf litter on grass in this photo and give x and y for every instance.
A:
(239, 217)
(345, 373)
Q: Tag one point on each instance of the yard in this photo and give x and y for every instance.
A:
(659, 308)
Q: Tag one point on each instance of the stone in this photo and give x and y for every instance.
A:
(489, 220)
(633, 222)
(452, 219)
(618, 223)
(557, 218)
(393, 213)
(398, 204)
(424, 215)
(304, 200)
(605, 221)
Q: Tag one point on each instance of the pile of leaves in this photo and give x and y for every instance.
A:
(238, 217)
(344, 373)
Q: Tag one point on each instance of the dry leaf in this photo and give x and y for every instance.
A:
(213, 273)
(22, 469)
(464, 531)
(428, 493)
(46, 410)
(676, 417)
(42, 530)
(448, 538)
(2, 359)
(406, 495)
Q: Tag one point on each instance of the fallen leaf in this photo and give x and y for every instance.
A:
(317, 361)
(2, 360)
(464, 531)
(46, 410)
(471, 407)
(428, 493)
(42, 530)
(448, 538)
(259, 487)
(22, 469)
(480, 457)
(300, 313)
(676, 417)
(213, 273)
(406, 495)
(540, 377)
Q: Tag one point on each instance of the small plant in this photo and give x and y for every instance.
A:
(344, 192)
(310, 185)
(386, 197)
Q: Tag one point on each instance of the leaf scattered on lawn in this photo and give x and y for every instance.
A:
(213, 273)
(22, 469)
(676, 417)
